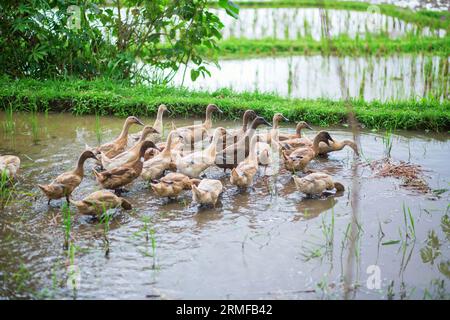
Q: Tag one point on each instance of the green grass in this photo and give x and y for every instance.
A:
(104, 97)
(434, 19)
(342, 45)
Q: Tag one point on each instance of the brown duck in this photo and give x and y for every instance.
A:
(118, 145)
(118, 177)
(65, 183)
(231, 156)
(299, 158)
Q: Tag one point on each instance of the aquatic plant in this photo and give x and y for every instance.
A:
(387, 142)
(67, 224)
(98, 128)
(105, 219)
(9, 125)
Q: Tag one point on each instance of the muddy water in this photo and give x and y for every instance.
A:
(372, 78)
(265, 243)
(293, 23)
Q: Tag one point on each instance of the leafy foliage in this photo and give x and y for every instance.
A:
(44, 39)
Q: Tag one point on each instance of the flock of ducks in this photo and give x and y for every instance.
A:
(179, 162)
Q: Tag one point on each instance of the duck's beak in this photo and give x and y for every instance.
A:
(309, 127)
(139, 122)
(267, 123)
(219, 110)
(285, 119)
(167, 111)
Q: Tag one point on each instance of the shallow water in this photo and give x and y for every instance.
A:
(294, 23)
(257, 244)
(373, 78)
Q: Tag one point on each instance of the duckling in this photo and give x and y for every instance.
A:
(129, 155)
(194, 133)
(231, 156)
(98, 202)
(9, 165)
(195, 163)
(242, 176)
(337, 146)
(299, 158)
(158, 125)
(316, 183)
(298, 132)
(172, 184)
(118, 177)
(118, 145)
(65, 183)
(154, 168)
(207, 192)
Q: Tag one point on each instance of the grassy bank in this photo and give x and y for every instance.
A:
(433, 19)
(121, 99)
(342, 45)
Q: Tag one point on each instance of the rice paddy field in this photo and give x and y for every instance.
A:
(376, 74)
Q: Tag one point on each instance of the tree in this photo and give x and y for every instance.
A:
(126, 39)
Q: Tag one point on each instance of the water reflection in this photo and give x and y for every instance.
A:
(372, 78)
(294, 23)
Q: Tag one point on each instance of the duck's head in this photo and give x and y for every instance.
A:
(249, 115)
(147, 145)
(324, 136)
(259, 121)
(212, 107)
(148, 130)
(303, 125)
(163, 108)
(88, 154)
(279, 117)
(134, 120)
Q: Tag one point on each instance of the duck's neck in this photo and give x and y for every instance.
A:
(79, 169)
(208, 120)
(275, 123)
(252, 153)
(169, 142)
(158, 124)
(245, 123)
(298, 131)
(315, 145)
(125, 129)
(211, 150)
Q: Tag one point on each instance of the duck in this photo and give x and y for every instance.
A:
(195, 163)
(158, 125)
(64, 184)
(242, 176)
(9, 166)
(231, 156)
(198, 132)
(172, 184)
(118, 177)
(298, 132)
(232, 136)
(274, 132)
(207, 192)
(118, 145)
(316, 183)
(129, 155)
(100, 201)
(324, 149)
(299, 158)
(154, 167)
